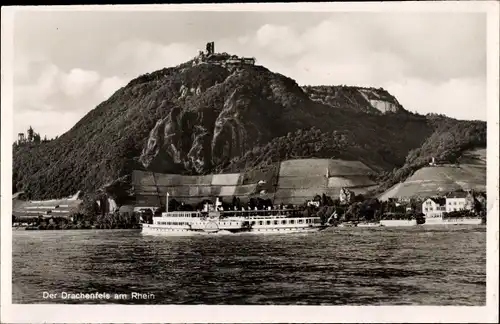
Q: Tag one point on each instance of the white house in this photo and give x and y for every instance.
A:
(459, 201)
(434, 207)
(313, 203)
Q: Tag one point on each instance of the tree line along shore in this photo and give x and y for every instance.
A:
(89, 214)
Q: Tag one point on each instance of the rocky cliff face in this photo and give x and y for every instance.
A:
(212, 124)
(368, 100)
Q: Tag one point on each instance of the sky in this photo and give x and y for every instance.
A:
(66, 63)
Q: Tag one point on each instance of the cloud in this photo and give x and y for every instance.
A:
(108, 86)
(414, 56)
(51, 92)
(135, 57)
(460, 98)
(78, 82)
(50, 123)
(282, 41)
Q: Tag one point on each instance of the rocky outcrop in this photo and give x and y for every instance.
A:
(198, 136)
(367, 100)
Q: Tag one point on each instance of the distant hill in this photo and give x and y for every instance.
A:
(196, 119)
(450, 142)
(469, 173)
(367, 100)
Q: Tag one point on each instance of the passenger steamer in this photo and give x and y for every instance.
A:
(215, 220)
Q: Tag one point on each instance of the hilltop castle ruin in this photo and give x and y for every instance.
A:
(222, 59)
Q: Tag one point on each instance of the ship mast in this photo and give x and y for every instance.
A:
(157, 189)
(277, 178)
(166, 202)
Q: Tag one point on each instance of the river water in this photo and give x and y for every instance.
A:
(339, 266)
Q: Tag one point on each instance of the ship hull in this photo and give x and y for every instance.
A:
(398, 222)
(165, 230)
(453, 221)
(369, 225)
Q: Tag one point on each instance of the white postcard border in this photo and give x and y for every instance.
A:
(254, 314)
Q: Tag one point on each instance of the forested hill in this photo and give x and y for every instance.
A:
(197, 119)
(450, 139)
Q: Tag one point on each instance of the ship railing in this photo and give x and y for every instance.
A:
(262, 213)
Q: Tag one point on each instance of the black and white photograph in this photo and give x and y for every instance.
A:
(250, 155)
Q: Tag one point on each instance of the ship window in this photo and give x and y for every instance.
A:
(275, 222)
(301, 221)
(268, 222)
(260, 222)
(283, 221)
(252, 223)
(292, 221)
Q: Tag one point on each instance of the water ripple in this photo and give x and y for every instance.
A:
(417, 266)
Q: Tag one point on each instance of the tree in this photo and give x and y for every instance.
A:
(353, 212)
(359, 198)
(30, 134)
(323, 199)
(89, 209)
(252, 203)
(173, 205)
(36, 138)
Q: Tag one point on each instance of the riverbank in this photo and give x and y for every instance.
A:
(73, 227)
